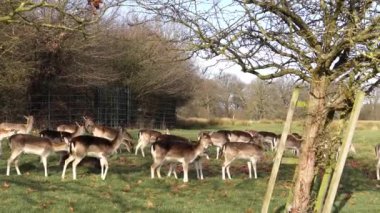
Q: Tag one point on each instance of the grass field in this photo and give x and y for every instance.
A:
(128, 187)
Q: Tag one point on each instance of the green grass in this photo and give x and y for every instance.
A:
(128, 187)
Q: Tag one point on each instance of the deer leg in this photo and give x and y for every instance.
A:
(44, 162)
(249, 169)
(378, 170)
(175, 172)
(225, 166)
(11, 159)
(253, 162)
(142, 150)
(185, 166)
(75, 164)
(67, 161)
(200, 169)
(228, 172)
(196, 168)
(16, 166)
(170, 169)
(159, 171)
(138, 147)
(217, 152)
(153, 167)
(104, 165)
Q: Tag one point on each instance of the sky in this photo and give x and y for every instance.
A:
(215, 67)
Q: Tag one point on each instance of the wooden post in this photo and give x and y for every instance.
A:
(280, 151)
(289, 200)
(323, 189)
(347, 138)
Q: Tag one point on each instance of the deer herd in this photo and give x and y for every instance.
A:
(75, 142)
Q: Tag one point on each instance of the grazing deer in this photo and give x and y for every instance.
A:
(269, 138)
(248, 151)
(197, 161)
(218, 139)
(30, 144)
(172, 150)
(5, 134)
(70, 128)
(146, 136)
(20, 128)
(377, 151)
(294, 143)
(86, 145)
(57, 136)
(107, 132)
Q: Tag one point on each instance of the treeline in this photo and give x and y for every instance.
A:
(227, 96)
(37, 61)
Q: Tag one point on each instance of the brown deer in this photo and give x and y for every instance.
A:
(269, 138)
(197, 164)
(107, 132)
(70, 128)
(146, 137)
(20, 128)
(58, 138)
(197, 161)
(237, 150)
(30, 144)
(87, 145)
(294, 143)
(172, 150)
(218, 139)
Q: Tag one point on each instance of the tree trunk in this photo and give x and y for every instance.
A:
(315, 122)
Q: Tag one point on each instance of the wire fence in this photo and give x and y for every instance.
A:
(107, 106)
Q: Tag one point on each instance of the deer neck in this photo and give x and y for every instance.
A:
(199, 149)
(29, 126)
(78, 131)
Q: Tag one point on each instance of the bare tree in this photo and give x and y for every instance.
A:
(328, 44)
(69, 15)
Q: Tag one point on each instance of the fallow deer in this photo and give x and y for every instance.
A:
(20, 128)
(197, 164)
(87, 145)
(30, 144)
(197, 161)
(248, 151)
(294, 143)
(269, 138)
(172, 150)
(58, 138)
(70, 128)
(107, 132)
(218, 139)
(146, 137)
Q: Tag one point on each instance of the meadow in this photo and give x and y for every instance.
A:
(129, 188)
